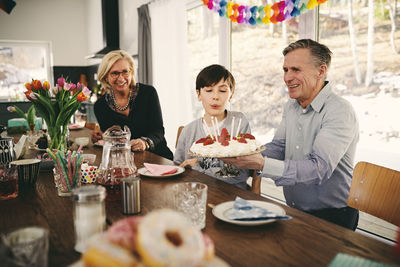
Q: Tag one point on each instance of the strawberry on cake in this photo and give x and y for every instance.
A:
(225, 146)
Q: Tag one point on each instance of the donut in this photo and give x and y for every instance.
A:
(166, 238)
(102, 252)
(124, 232)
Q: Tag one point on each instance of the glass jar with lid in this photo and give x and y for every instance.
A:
(89, 213)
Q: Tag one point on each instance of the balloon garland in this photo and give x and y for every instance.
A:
(277, 12)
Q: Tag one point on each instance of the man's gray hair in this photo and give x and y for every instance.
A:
(320, 53)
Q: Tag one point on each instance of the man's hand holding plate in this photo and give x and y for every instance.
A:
(252, 162)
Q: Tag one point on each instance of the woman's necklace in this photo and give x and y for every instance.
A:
(127, 104)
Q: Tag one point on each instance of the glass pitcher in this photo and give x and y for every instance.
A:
(117, 161)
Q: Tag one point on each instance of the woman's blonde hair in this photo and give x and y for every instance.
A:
(108, 61)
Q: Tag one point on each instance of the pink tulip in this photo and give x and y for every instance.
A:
(61, 81)
(55, 90)
(67, 86)
(32, 96)
(86, 91)
(78, 86)
(11, 109)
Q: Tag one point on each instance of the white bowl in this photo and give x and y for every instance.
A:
(84, 141)
(89, 158)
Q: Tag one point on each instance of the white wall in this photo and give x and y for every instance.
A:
(61, 22)
(128, 24)
(94, 26)
(74, 27)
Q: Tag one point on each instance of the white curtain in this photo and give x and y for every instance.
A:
(170, 75)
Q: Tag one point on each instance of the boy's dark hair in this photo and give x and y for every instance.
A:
(212, 74)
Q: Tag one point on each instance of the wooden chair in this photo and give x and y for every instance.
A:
(256, 181)
(178, 134)
(376, 190)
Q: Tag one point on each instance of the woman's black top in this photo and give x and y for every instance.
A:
(144, 119)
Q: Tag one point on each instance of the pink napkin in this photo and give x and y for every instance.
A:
(156, 169)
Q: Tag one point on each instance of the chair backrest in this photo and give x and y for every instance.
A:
(256, 183)
(376, 190)
(178, 134)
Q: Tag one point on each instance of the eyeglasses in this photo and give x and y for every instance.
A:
(115, 74)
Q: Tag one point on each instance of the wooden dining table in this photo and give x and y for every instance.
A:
(304, 240)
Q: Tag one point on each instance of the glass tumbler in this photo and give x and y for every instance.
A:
(191, 198)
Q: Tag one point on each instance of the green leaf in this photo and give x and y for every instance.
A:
(48, 106)
(20, 112)
(43, 112)
(31, 115)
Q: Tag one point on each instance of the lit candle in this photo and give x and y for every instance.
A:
(208, 133)
(208, 129)
(214, 128)
(233, 124)
(216, 124)
(238, 127)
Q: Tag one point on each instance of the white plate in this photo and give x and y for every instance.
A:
(99, 144)
(222, 210)
(214, 154)
(75, 126)
(143, 171)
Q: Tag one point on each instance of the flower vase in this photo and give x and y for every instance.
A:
(58, 137)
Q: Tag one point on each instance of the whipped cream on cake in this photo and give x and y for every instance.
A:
(225, 146)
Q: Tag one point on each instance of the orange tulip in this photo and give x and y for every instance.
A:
(28, 94)
(28, 86)
(46, 85)
(37, 85)
(81, 97)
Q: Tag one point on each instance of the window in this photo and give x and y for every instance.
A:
(203, 28)
(256, 63)
(257, 67)
(20, 62)
(374, 93)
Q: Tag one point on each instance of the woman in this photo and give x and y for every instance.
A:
(128, 103)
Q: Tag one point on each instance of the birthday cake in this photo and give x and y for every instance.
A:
(226, 146)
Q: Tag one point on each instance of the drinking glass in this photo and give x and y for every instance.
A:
(28, 246)
(191, 198)
(8, 181)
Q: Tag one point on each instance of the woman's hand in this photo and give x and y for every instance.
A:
(138, 144)
(189, 162)
(97, 135)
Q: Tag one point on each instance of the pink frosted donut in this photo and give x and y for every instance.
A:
(124, 232)
(167, 238)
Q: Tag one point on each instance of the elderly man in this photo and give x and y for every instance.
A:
(312, 152)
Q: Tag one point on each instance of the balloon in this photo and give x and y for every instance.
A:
(277, 12)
